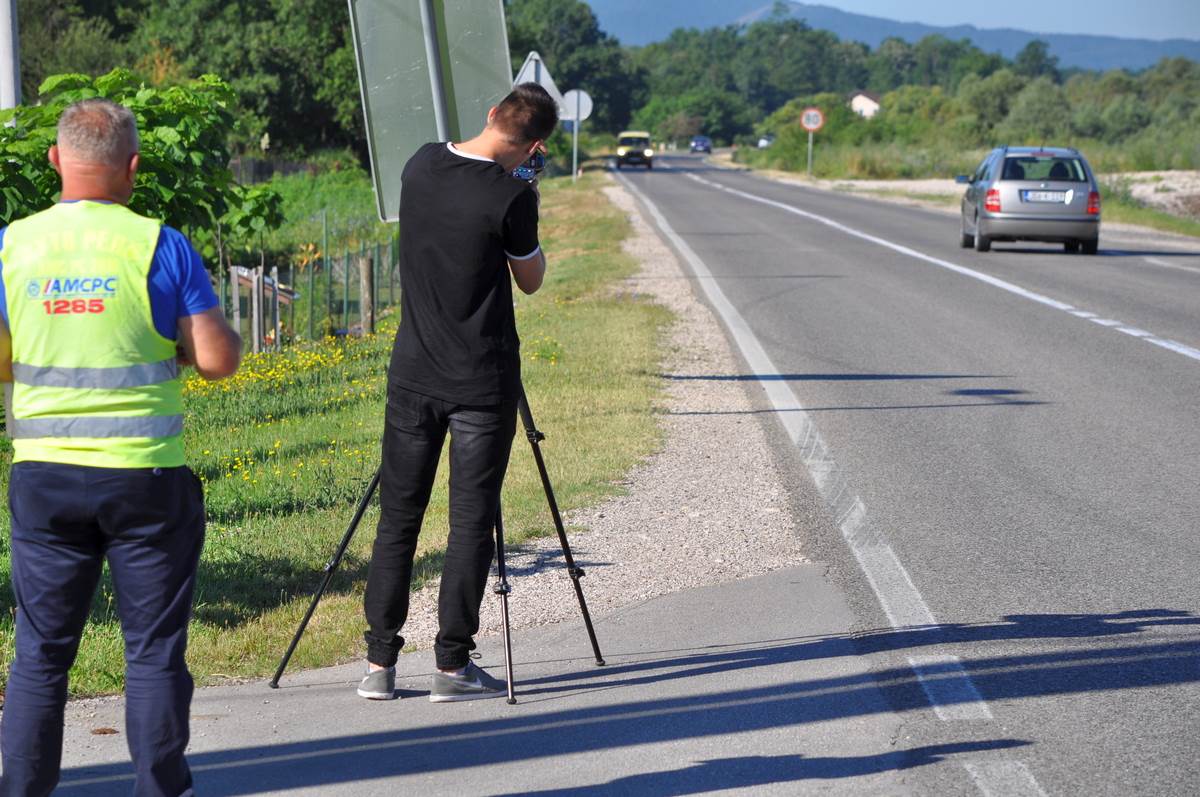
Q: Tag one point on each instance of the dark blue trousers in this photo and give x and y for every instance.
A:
(66, 521)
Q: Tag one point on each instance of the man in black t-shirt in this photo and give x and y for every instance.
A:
(456, 368)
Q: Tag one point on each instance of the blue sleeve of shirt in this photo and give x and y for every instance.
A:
(179, 285)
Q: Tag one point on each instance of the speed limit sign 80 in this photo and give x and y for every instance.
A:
(812, 120)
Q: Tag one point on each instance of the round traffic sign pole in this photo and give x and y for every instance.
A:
(578, 107)
(812, 120)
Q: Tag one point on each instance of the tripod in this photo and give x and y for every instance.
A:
(501, 587)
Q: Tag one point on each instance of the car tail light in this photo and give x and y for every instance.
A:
(991, 202)
(1094, 203)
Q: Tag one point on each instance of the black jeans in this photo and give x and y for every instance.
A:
(480, 442)
(67, 521)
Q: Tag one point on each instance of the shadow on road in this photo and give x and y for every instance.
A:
(1054, 249)
(999, 397)
(537, 737)
(704, 777)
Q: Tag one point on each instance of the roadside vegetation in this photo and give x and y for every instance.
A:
(287, 446)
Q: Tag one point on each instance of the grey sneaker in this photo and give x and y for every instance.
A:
(378, 684)
(474, 684)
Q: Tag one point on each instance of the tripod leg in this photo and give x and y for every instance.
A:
(330, 566)
(576, 573)
(502, 589)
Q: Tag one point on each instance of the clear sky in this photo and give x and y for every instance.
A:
(1136, 19)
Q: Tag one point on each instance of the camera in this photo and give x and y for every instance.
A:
(530, 169)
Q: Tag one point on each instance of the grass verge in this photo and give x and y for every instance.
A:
(286, 448)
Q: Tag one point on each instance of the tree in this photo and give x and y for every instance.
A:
(57, 37)
(578, 54)
(1123, 117)
(723, 115)
(184, 178)
(290, 62)
(990, 98)
(1035, 61)
(1039, 113)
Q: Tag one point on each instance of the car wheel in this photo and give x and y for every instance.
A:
(965, 239)
(982, 242)
(1071, 247)
(1091, 246)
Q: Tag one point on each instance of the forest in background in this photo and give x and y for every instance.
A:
(291, 66)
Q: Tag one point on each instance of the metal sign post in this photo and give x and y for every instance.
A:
(812, 120)
(433, 60)
(428, 70)
(10, 56)
(579, 107)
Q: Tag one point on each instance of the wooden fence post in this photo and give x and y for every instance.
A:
(366, 289)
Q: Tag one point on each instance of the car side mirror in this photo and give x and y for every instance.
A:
(963, 179)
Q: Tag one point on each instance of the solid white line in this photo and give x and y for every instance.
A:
(1154, 261)
(950, 690)
(898, 596)
(1166, 343)
(1004, 779)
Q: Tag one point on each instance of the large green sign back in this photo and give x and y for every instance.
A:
(398, 89)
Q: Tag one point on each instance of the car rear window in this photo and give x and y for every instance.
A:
(1044, 167)
(629, 141)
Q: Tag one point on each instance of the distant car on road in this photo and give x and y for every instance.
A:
(701, 144)
(633, 148)
(1031, 194)
(766, 141)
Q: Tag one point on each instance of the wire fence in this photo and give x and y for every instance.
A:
(330, 293)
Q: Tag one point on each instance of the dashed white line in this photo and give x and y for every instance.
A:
(1154, 261)
(1004, 778)
(945, 681)
(1165, 343)
(949, 688)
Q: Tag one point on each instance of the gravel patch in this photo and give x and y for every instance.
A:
(710, 507)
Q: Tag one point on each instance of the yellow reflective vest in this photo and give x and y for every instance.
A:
(94, 383)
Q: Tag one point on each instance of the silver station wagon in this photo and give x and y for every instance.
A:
(1032, 194)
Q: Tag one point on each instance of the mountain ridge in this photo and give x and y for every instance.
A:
(628, 22)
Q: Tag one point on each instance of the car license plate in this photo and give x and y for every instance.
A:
(1045, 196)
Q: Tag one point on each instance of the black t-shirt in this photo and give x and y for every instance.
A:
(461, 217)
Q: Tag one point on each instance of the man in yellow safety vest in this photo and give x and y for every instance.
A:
(100, 307)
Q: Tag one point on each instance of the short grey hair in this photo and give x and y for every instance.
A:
(98, 131)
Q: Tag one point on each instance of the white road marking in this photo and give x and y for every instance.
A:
(950, 689)
(1166, 343)
(1154, 261)
(954, 697)
(1004, 778)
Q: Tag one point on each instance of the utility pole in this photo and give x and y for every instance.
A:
(10, 56)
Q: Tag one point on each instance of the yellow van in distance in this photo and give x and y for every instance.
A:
(633, 148)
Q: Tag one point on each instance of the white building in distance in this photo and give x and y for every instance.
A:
(864, 103)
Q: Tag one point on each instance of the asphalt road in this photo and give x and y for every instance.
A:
(1009, 445)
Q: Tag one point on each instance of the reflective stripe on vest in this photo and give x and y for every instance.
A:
(96, 378)
(95, 428)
